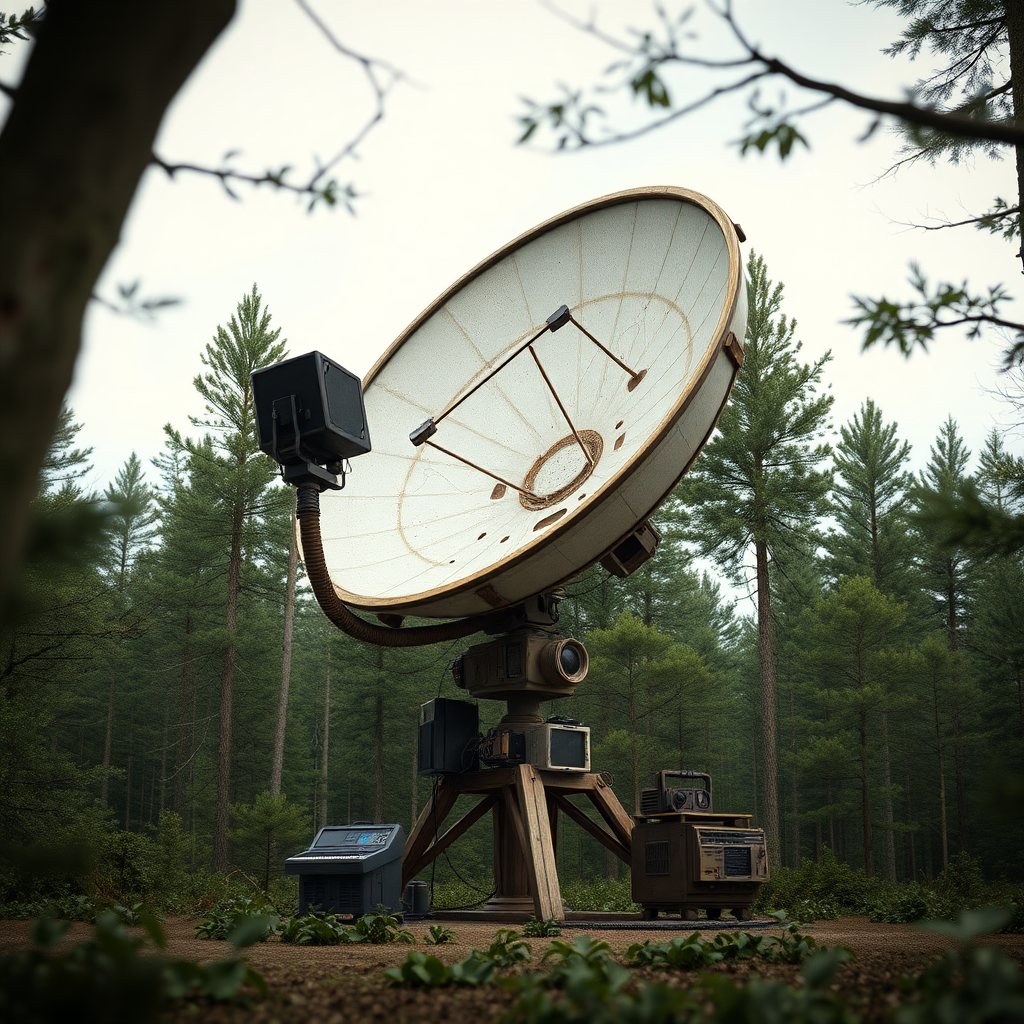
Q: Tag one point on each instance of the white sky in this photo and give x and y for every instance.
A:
(443, 185)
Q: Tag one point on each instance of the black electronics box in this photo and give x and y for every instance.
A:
(331, 418)
(448, 737)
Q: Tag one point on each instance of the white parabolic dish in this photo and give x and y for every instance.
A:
(654, 275)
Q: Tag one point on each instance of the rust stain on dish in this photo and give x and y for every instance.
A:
(548, 520)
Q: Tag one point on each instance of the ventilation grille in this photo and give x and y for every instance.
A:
(736, 860)
(649, 801)
(656, 858)
(331, 893)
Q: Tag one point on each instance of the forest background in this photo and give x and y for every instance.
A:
(175, 680)
(162, 683)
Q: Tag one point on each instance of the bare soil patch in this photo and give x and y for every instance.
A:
(335, 984)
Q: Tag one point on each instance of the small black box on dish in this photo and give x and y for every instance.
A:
(310, 408)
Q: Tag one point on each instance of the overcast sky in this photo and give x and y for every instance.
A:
(442, 184)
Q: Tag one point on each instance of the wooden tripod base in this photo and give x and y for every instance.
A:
(524, 802)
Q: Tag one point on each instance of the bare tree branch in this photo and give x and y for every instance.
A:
(382, 78)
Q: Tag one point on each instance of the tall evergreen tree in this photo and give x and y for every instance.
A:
(872, 500)
(131, 519)
(759, 485)
(243, 478)
(945, 572)
(853, 625)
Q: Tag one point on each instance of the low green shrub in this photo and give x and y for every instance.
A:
(609, 895)
(534, 929)
(970, 984)
(437, 935)
(225, 918)
(900, 904)
(585, 986)
(421, 970)
(106, 979)
(818, 891)
(310, 930)
(378, 928)
(693, 951)
(507, 950)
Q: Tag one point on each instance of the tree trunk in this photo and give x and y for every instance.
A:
(960, 769)
(101, 102)
(942, 778)
(911, 845)
(888, 816)
(107, 743)
(1020, 701)
(796, 783)
(865, 795)
(163, 753)
(277, 762)
(221, 854)
(326, 746)
(959, 757)
(769, 757)
(1015, 37)
(128, 779)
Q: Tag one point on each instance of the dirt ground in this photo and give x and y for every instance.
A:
(336, 984)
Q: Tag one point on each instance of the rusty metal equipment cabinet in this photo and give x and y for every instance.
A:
(689, 861)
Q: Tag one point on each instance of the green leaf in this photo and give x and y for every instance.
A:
(970, 924)
(251, 930)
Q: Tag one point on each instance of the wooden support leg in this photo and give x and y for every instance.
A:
(605, 800)
(592, 827)
(443, 842)
(512, 890)
(539, 848)
(428, 825)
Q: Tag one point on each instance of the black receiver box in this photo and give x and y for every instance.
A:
(330, 417)
(448, 735)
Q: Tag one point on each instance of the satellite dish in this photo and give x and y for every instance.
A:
(545, 435)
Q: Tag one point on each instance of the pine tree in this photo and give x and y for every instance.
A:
(946, 572)
(872, 500)
(981, 45)
(853, 625)
(758, 483)
(130, 527)
(242, 478)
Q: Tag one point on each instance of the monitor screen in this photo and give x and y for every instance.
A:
(569, 748)
(340, 836)
(332, 837)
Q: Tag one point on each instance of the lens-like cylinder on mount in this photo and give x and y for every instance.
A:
(564, 661)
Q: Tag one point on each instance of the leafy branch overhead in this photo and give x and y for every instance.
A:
(916, 322)
(963, 107)
(650, 55)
